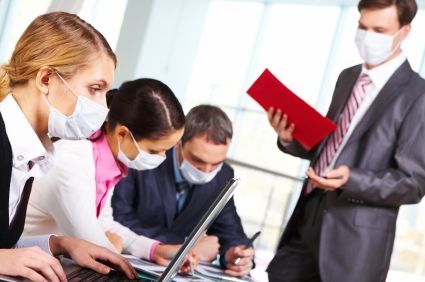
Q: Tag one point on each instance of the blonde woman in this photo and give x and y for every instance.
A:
(53, 85)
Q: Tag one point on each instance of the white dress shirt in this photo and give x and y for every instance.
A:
(26, 147)
(64, 202)
(379, 76)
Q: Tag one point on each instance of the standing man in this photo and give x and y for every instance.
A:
(167, 203)
(343, 226)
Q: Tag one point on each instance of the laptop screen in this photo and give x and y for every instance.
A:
(200, 228)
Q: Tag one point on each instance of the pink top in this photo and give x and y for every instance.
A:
(108, 171)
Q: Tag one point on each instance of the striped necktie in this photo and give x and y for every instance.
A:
(334, 141)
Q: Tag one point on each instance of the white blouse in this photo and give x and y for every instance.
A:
(26, 147)
(64, 202)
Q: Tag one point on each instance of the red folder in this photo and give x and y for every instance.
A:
(310, 126)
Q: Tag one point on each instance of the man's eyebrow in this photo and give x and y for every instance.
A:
(202, 161)
(197, 158)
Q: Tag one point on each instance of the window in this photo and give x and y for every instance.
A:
(106, 16)
(306, 46)
(19, 15)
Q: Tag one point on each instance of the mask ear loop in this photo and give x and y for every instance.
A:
(137, 146)
(394, 36)
(45, 99)
(135, 142)
(67, 85)
(393, 50)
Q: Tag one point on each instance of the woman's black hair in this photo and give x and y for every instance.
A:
(147, 107)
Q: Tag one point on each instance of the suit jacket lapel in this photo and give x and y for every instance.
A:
(390, 91)
(342, 94)
(167, 189)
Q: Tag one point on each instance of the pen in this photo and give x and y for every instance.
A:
(193, 263)
(191, 267)
(255, 236)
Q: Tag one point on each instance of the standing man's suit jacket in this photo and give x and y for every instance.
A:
(145, 201)
(386, 157)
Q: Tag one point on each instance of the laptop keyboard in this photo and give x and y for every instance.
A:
(87, 275)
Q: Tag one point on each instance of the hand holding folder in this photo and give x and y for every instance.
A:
(310, 126)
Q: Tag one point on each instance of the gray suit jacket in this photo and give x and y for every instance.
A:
(386, 157)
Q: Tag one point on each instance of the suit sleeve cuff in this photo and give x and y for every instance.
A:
(283, 143)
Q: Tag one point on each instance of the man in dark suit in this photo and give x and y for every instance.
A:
(166, 203)
(343, 226)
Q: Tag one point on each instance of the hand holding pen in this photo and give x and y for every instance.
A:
(251, 240)
(239, 258)
(190, 264)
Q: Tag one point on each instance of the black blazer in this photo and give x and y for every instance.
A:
(386, 157)
(145, 201)
(8, 236)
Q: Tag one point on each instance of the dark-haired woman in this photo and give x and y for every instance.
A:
(145, 119)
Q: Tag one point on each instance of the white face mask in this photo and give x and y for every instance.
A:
(86, 119)
(195, 176)
(143, 160)
(374, 48)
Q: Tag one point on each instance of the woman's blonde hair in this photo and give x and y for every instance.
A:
(59, 40)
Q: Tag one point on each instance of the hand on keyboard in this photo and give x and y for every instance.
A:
(87, 255)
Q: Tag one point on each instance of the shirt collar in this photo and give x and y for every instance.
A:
(103, 155)
(177, 173)
(381, 74)
(26, 146)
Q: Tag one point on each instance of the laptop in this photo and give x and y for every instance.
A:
(77, 273)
